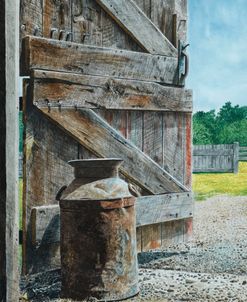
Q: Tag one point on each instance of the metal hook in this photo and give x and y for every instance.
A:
(53, 30)
(36, 29)
(69, 36)
(61, 34)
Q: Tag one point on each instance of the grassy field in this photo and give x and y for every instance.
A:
(206, 185)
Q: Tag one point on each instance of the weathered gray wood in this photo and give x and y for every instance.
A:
(47, 150)
(96, 135)
(212, 152)
(145, 6)
(242, 153)
(56, 16)
(174, 154)
(45, 221)
(128, 15)
(235, 157)
(149, 210)
(101, 92)
(31, 19)
(9, 224)
(215, 158)
(163, 14)
(156, 209)
(40, 53)
(151, 237)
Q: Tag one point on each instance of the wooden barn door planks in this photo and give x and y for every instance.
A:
(158, 123)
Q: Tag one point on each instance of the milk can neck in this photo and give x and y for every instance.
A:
(96, 168)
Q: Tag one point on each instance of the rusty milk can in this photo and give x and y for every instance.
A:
(98, 233)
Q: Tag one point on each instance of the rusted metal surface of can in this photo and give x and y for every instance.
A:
(98, 234)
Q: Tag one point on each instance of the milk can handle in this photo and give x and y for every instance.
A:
(60, 192)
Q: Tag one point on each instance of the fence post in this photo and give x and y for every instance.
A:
(235, 157)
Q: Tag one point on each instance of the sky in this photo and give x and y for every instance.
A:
(218, 53)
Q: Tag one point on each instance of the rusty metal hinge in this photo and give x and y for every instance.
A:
(183, 63)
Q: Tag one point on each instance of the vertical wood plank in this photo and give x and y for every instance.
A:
(188, 180)
(235, 157)
(31, 20)
(172, 233)
(153, 147)
(153, 136)
(162, 16)
(164, 13)
(188, 229)
(135, 128)
(57, 15)
(47, 150)
(151, 237)
(174, 144)
(9, 141)
(86, 22)
(180, 10)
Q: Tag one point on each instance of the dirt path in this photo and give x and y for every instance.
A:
(212, 267)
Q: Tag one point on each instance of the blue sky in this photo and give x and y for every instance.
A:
(218, 52)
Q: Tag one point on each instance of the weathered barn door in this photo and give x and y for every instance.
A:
(116, 92)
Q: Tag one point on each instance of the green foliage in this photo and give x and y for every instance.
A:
(226, 127)
(234, 132)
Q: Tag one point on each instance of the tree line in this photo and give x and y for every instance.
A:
(227, 126)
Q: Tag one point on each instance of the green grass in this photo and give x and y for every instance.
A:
(209, 184)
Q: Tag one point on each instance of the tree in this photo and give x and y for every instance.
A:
(234, 132)
(201, 134)
(228, 126)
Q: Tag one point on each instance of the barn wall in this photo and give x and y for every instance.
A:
(165, 137)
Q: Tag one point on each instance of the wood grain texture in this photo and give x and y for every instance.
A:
(9, 139)
(31, 18)
(153, 136)
(145, 6)
(156, 209)
(149, 210)
(163, 14)
(131, 18)
(92, 92)
(47, 150)
(91, 25)
(174, 155)
(96, 135)
(40, 53)
(215, 158)
(45, 222)
(57, 15)
(151, 237)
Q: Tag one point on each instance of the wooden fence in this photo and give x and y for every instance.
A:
(242, 153)
(216, 158)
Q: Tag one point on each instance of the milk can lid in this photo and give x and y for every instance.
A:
(104, 189)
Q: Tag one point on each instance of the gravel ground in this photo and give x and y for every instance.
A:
(212, 267)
